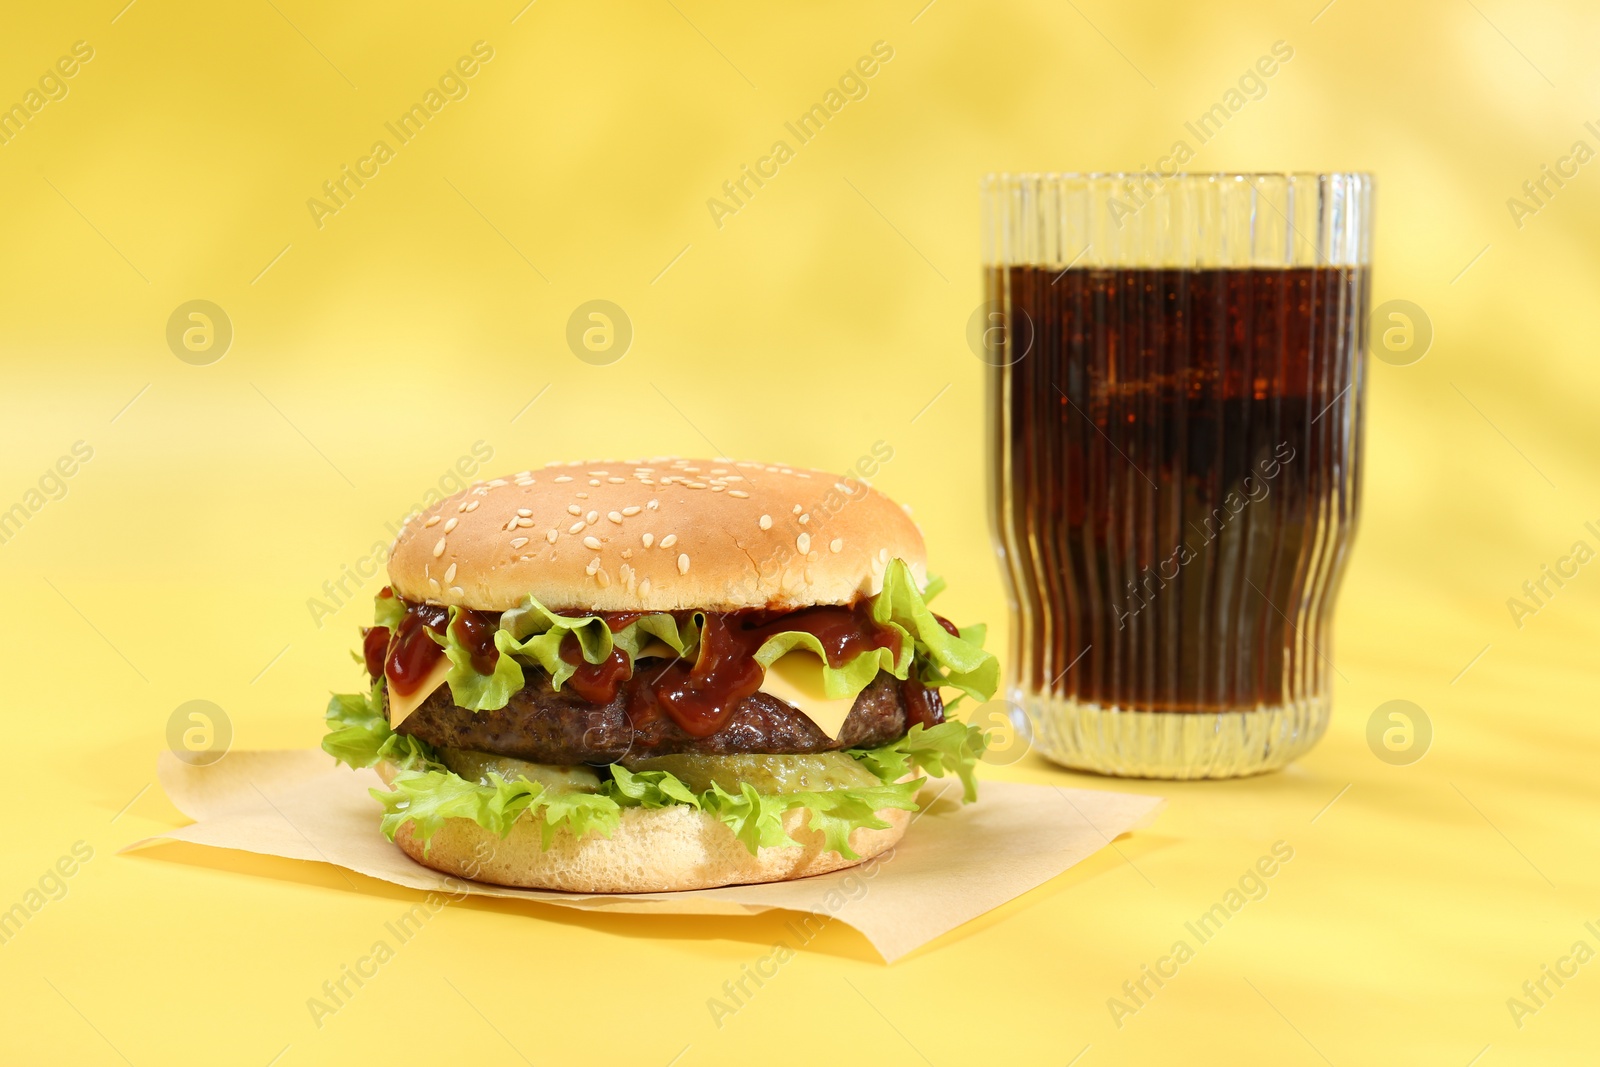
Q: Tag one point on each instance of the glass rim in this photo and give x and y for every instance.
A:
(1195, 219)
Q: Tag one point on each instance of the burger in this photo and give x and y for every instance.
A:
(658, 675)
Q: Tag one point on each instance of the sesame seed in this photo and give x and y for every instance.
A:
(836, 544)
(583, 496)
(631, 510)
(592, 542)
(524, 512)
(452, 524)
(697, 485)
(683, 563)
(644, 587)
(564, 478)
(653, 505)
(450, 573)
(803, 543)
(594, 481)
(573, 509)
(614, 516)
(525, 522)
(576, 527)
(614, 480)
(592, 517)
(604, 579)
(552, 535)
(740, 493)
(766, 522)
(718, 488)
(646, 481)
(472, 505)
(627, 553)
(883, 555)
(797, 509)
(433, 583)
(518, 542)
(805, 518)
(594, 565)
(666, 542)
(438, 549)
(461, 507)
(433, 520)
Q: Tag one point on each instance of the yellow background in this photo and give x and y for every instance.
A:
(827, 314)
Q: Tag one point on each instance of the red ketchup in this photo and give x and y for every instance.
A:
(475, 630)
(412, 653)
(699, 695)
(596, 682)
(374, 643)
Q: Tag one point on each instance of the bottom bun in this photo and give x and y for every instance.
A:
(652, 850)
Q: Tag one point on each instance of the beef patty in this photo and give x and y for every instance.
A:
(542, 725)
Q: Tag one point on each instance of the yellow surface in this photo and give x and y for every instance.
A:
(826, 314)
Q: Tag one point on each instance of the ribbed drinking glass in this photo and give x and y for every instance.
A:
(1176, 372)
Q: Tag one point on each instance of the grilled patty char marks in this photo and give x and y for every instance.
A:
(542, 725)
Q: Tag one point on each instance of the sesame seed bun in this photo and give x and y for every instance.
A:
(653, 850)
(656, 535)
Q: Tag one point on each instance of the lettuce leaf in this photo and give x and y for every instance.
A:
(837, 812)
(535, 632)
(944, 659)
(388, 611)
(857, 673)
(952, 747)
(471, 690)
(756, 819)
(359, 735)
(427, 799)
(649, 789)
(426, 793)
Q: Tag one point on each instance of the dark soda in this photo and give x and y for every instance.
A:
(1176, 467)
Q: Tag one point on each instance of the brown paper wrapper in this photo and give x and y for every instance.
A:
(956, 862)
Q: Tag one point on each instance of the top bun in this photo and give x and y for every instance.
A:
(656, 535)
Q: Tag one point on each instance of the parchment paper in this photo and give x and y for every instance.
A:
(954, 864)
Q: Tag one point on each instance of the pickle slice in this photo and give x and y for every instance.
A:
(811, 773)
(475, 767)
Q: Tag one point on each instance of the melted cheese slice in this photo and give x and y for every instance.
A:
(797, 678)
(401, 707)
